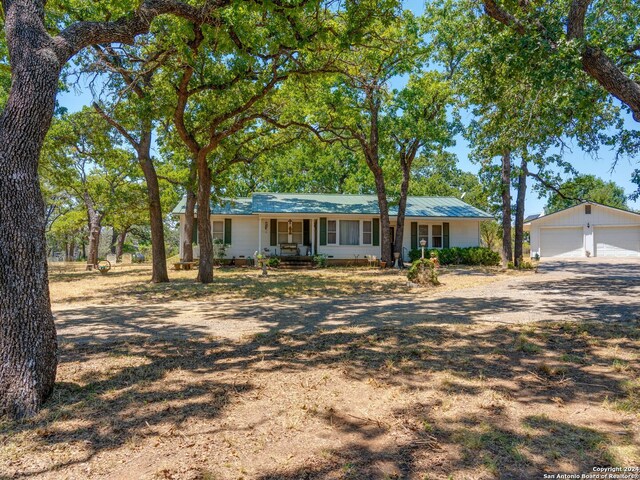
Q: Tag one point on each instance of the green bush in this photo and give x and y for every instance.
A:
(320, 260)
(423, 271)
(273, 262)
(459, 256)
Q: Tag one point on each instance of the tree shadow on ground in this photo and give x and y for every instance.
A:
(115, 393)
(230, 318)
(479, 449)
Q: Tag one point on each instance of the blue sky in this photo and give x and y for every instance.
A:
(600, 166)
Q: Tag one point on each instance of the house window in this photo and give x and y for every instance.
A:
(349, 232)
(217, 230)
(296, 233)
(283, 232)
(367, 232)
(436, 236)
(587, 209)
(332, 232)
(423, 234)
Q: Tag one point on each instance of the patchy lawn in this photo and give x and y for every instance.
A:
(124, 284)
(441, 402)
(261, 379)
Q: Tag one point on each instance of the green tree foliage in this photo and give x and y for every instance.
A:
(439, 175)
(353, 105)
(83, 158)
(587, 188)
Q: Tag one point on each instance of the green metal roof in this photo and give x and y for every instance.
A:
(328, 204)
(224, 206)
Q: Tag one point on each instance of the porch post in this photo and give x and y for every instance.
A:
(313, 236)
(259, 235)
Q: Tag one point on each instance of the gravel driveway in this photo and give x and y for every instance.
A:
(585, 289)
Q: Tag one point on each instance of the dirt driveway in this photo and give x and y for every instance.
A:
(589, 289)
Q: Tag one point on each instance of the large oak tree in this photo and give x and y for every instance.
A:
(40, 40)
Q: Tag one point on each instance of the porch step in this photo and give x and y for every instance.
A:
(296, 267)
(296, 263)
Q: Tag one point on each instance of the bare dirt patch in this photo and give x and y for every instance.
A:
(455, 402)
(490, 376)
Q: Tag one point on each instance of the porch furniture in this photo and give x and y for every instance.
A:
(372, 259)
(289, 249)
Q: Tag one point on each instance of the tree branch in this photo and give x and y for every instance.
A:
(124, 30)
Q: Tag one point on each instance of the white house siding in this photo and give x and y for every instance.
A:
(463, 232)
(245, 234)
(600, 218)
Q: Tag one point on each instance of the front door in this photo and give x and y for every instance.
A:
(290, 233)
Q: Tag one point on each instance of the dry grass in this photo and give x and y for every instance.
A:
(131, 283)
(370, 400)
(354, 403)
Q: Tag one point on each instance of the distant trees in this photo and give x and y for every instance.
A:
(83, 159)
(586, 188)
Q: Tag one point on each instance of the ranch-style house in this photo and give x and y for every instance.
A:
(342, 227)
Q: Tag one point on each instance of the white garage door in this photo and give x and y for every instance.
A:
(617, 241)
(562, 242)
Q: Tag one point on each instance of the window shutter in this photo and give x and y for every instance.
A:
(323, 231)
(414, 235)
(194, 232)
(227, 231)
(445, 235)
(376, 232)
(273, 233)
(306, 233)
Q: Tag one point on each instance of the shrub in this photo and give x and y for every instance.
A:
(219, 251)
(460, 256)
(273, 262)
(423, 271)
(320, 260)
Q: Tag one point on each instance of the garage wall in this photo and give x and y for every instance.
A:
(599, 218)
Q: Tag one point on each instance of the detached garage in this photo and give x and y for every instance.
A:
(586, 230)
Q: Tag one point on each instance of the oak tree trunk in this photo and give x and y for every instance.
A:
(189, 220)
(28, 347)
(402, 207)
(159, 272)
(70, 247)
(95, 225)
(114, 240)
(205, 266)
(507, 254)
(385, 224)
(122, 237)
(519, 225)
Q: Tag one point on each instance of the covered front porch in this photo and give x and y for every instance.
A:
(288, 236)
